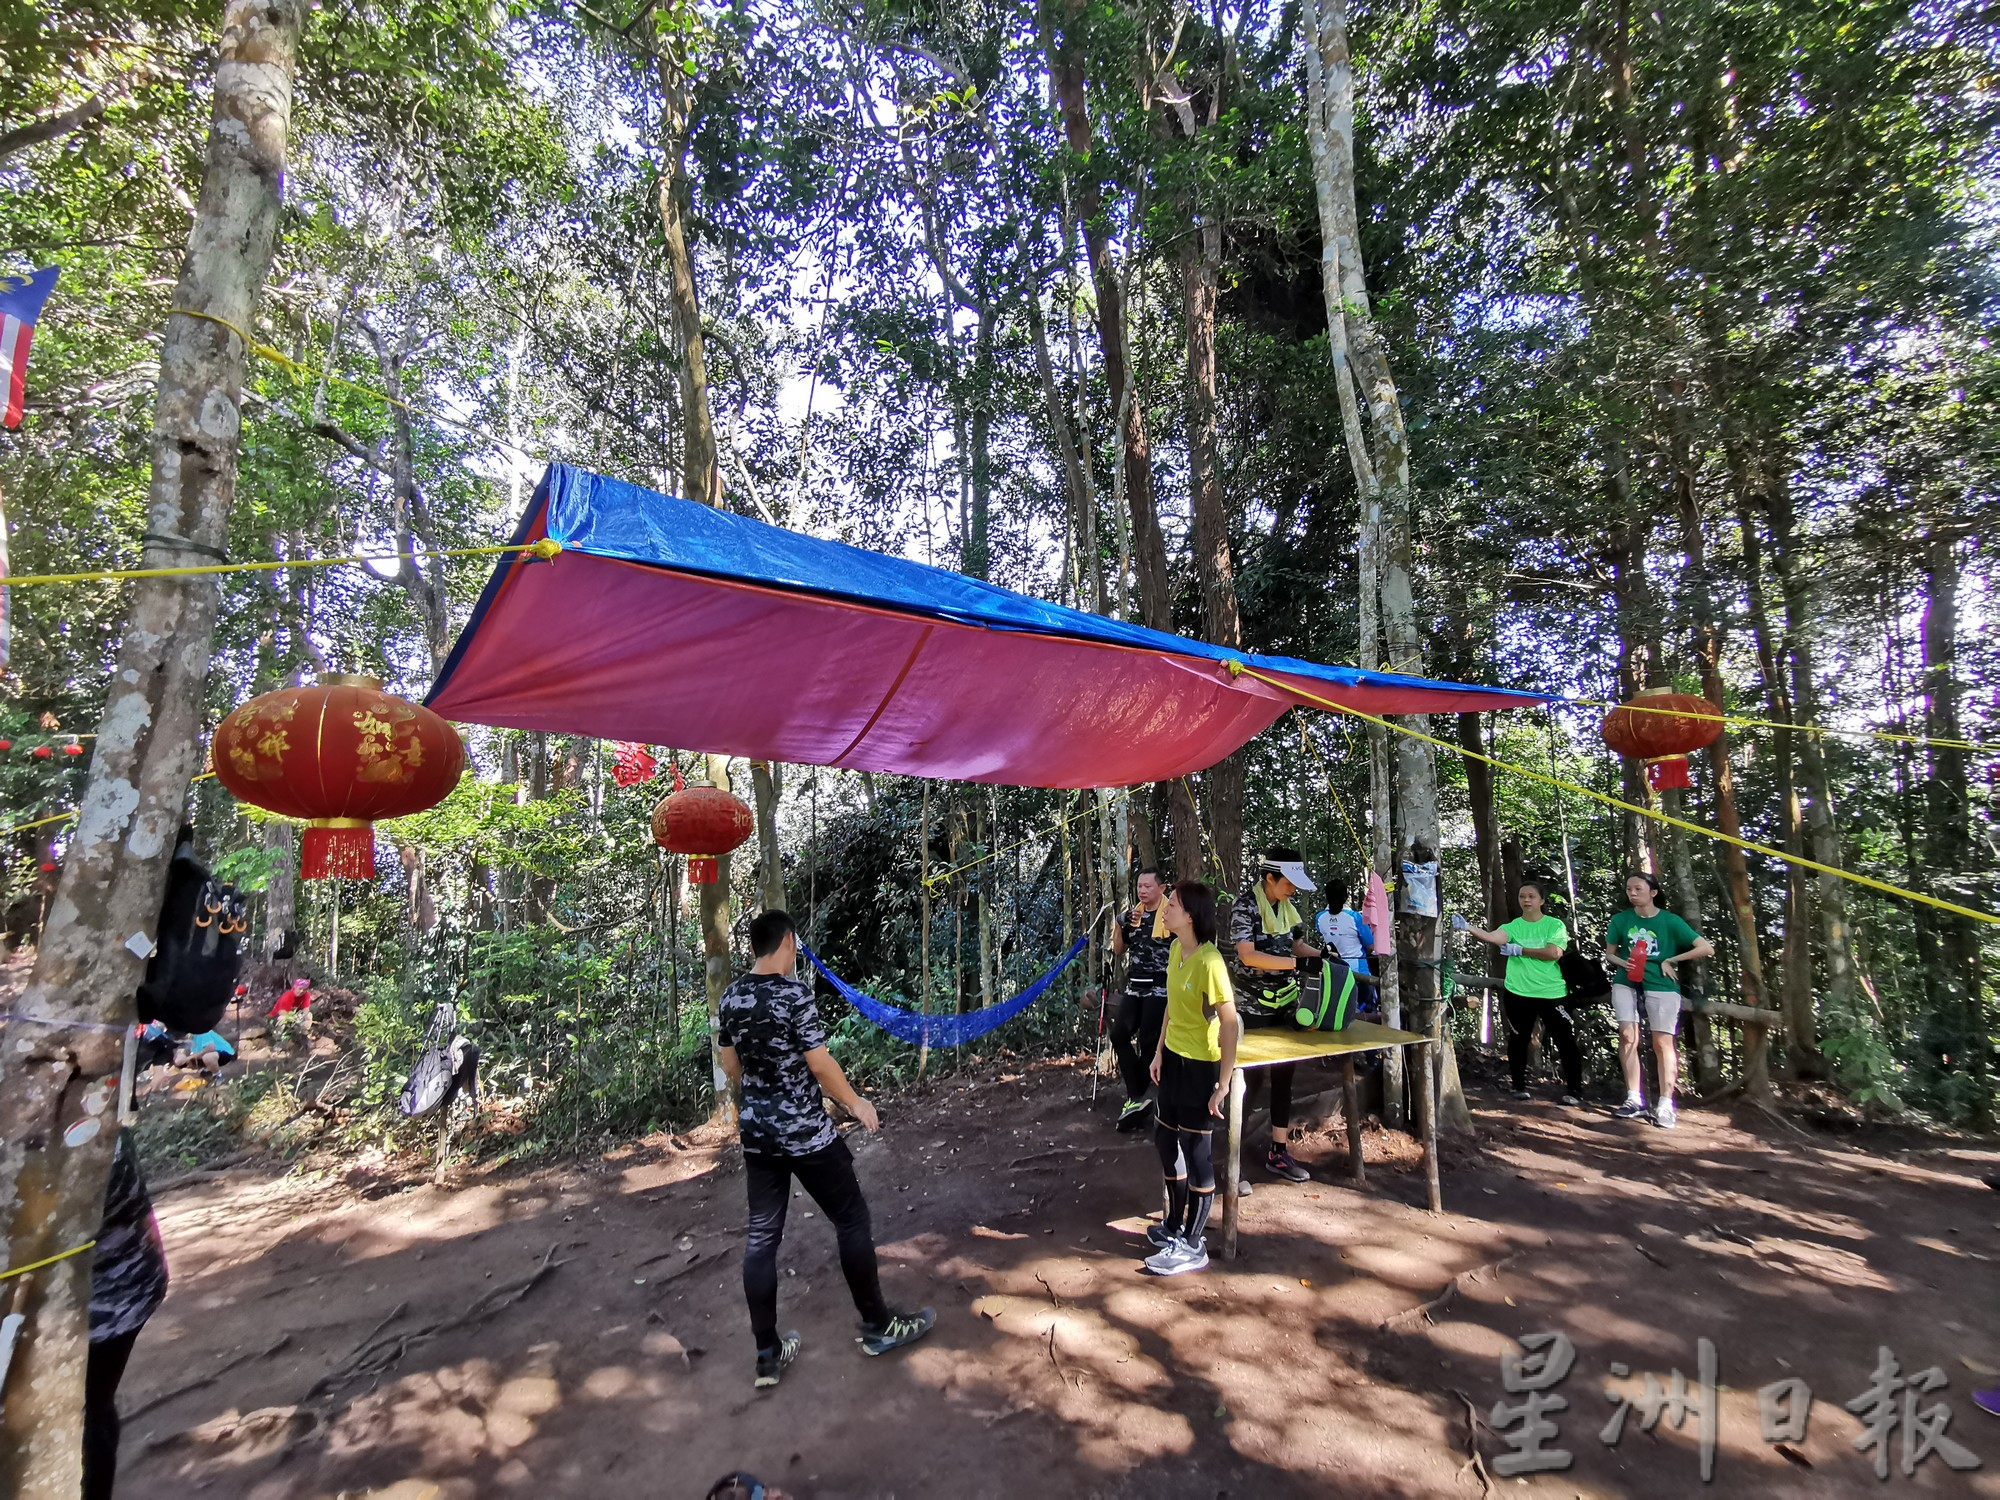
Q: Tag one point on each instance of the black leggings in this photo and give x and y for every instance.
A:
(828, 1176)
(1184, 1135)
(1135, 1035)
(1522, 1012)
(102, 1373)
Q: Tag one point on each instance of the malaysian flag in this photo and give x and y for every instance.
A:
(21, 299)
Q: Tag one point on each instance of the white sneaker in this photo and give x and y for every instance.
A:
(1178, 1259)
(1663, 1115)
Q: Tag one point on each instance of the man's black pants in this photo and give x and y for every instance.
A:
(1135, 1036)
(100, 1412)
(828, 1176)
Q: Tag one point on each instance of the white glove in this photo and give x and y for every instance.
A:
(1510, 950)
(1458, 923)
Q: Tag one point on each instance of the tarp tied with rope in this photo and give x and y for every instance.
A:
(667, 622)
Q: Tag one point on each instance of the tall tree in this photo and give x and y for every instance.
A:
(57, 1082)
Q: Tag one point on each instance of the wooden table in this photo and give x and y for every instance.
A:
(1267, 1045)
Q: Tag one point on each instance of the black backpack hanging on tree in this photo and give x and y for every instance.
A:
(193, 969)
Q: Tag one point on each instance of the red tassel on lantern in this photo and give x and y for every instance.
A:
(341, 848)
(1668, 774)
(704, 869)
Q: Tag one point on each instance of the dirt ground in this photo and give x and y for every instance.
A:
(1057, 1368)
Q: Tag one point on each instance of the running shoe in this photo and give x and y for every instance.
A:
(1133, 1115)
(1664, 1116)
(1522, 1094)
(771, 1363)
(901, 1329)
(1178, 1259)
(1278, 1162)
(1631, 1109)
(1160, 1237)
(1572, 1101)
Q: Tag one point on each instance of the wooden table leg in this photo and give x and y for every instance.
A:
(1429, 1104)
(1351, 1092)
(1232, 1166)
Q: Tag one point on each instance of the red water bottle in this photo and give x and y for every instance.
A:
(1635, 966)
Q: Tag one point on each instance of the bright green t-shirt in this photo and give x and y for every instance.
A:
(1540, 978)
(1197, 986)
(1665, 934)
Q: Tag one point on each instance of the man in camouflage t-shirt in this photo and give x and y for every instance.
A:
(771, 1044)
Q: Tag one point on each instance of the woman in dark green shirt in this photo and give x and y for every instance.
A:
(1653, 998)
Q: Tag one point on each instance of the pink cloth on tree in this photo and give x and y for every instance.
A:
(1375, 912)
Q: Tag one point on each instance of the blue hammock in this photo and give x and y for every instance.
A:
(945, 1030)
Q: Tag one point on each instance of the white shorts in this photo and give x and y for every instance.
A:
(1663, 1008)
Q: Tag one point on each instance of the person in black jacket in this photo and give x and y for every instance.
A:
(1141, 937)
(128, 1281)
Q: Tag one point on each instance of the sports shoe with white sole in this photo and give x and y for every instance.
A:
(901, 1329)
(772, 1363)
(1664, 1115)
(1631, 1109)
(1159, 1236)
(1178, 1259)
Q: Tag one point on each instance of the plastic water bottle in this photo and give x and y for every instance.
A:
(1635, 966)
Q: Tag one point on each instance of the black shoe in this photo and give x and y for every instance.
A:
(1278, 1162)
(1522, 1094)
(771, 1363)
(901, 1329)
(1133, 1115)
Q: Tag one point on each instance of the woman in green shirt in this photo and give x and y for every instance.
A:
(1533, 989)
(1191, 1070)
(1652, 997)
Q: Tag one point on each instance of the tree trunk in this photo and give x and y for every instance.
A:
(1708, 642)
(701, 473)
(55, 1100)
(281, 907)
(1149, 545)
(767, 783)
(1948, 943)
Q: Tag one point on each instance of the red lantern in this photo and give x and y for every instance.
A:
(6, 744)
(704, 823)
(41, 752)
(1662, 728)
(72, 748)
(338, 756)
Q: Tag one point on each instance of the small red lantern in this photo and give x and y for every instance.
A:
(337, 755)
(704, 823)
(6, 744)
(41, 752)
(72, 748)
(1662, 728)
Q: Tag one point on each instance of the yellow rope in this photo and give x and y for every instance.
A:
(1238, 668)
(37, 1265)
(39, 822)
(1055, 827)
(1339, 803)
(547, 547)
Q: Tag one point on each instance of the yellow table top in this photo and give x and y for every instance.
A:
(1265, 1045)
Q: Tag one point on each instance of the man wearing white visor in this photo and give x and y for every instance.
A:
(1266, 942)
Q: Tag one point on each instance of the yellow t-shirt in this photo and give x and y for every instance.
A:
(1197, 987)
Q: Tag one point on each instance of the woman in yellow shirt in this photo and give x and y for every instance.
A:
(1191, 1070)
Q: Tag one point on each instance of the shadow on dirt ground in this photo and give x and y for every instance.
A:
(1310, 1365)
